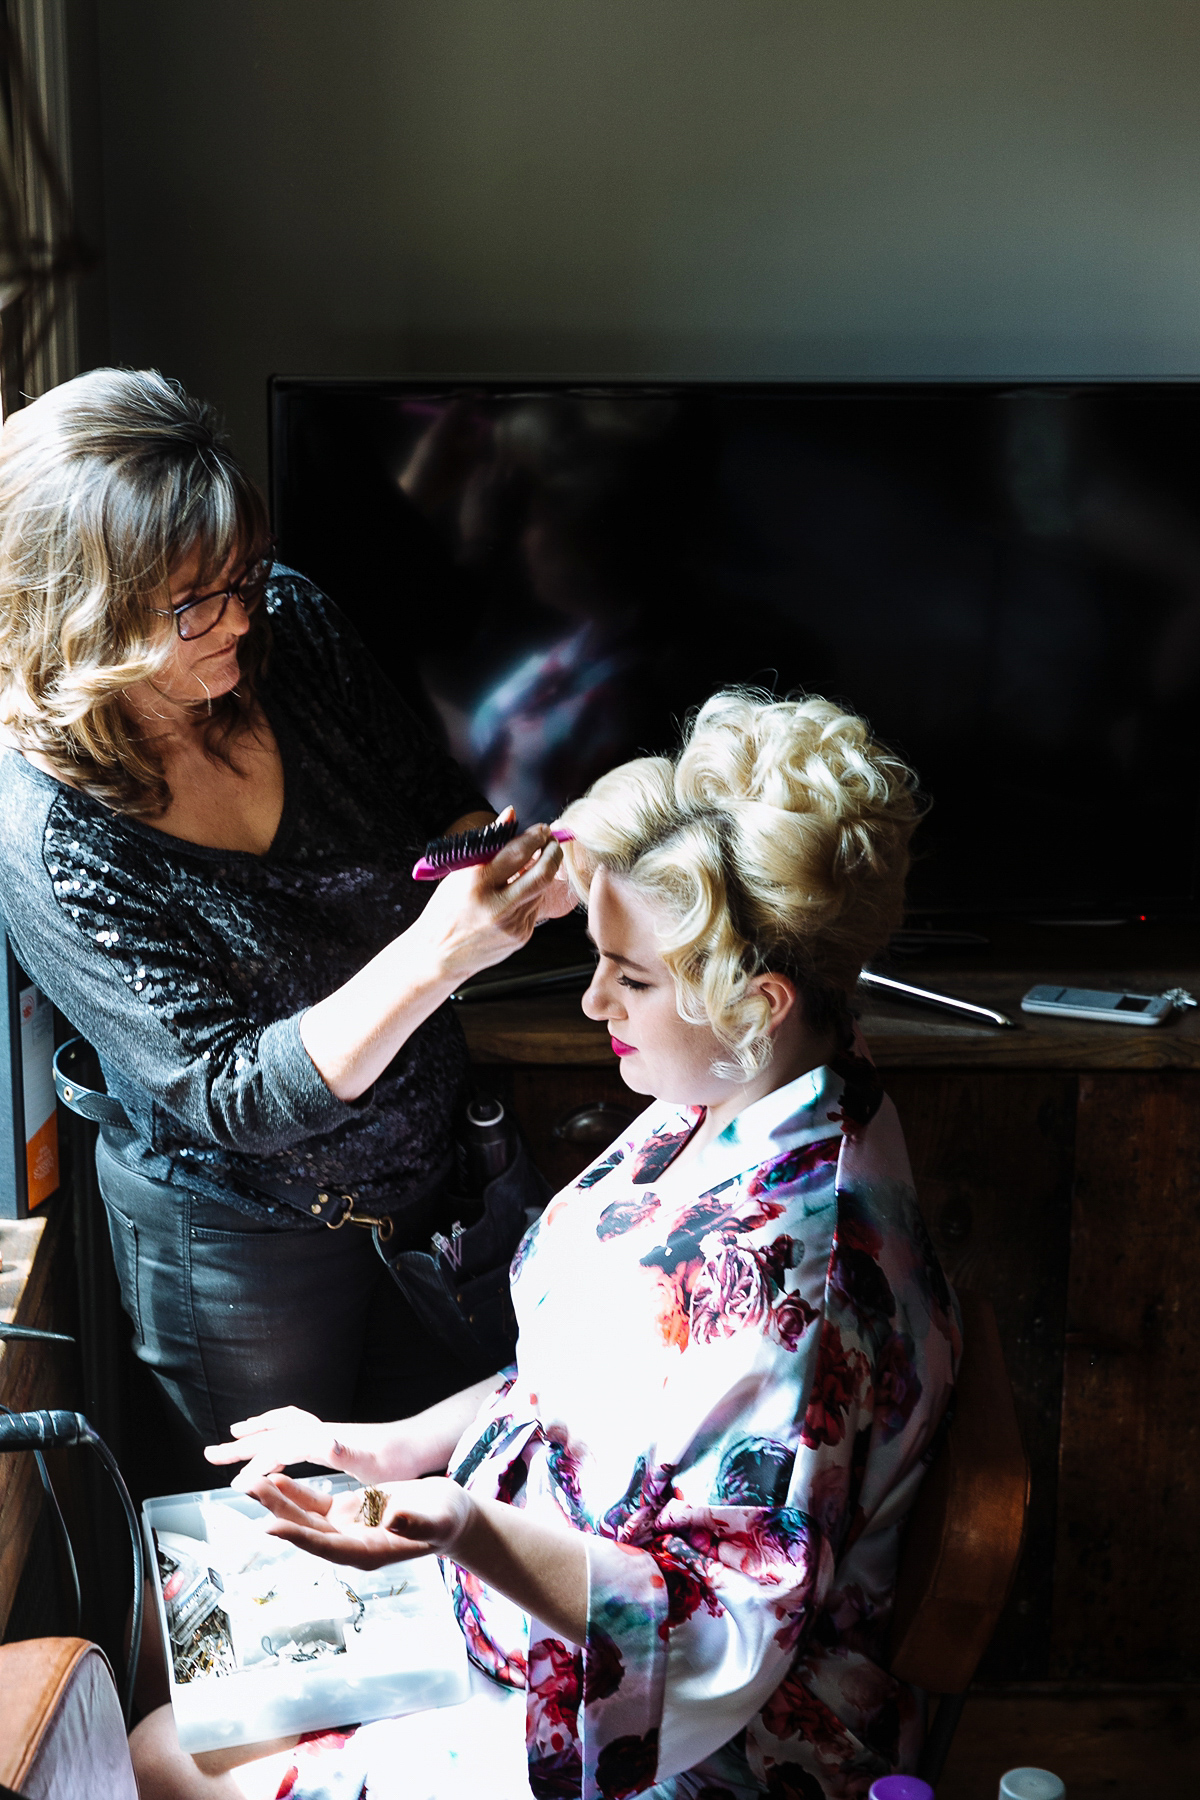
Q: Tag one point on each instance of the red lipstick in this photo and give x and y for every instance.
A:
(620, 1049)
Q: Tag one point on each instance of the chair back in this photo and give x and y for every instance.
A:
(63, 1734)
(967, 1527)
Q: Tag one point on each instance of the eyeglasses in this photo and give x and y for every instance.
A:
(196, 618)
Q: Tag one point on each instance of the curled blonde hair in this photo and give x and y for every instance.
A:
(777, 839)
(108, 485)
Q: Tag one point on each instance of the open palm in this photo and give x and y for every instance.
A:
(419, 1517)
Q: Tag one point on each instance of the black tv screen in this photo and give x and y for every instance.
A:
(1004, 580)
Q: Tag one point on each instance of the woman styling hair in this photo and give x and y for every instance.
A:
(671, 1531)
(210, 804)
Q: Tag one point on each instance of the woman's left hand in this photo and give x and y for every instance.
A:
(558, 899)
(419, 1517)
(541, 1565)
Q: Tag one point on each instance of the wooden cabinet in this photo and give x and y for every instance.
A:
(1126, 1588)
(1058, 1167)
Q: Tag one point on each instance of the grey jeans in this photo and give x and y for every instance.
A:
(234, 1317)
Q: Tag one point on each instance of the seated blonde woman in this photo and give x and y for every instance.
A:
(671, 1531)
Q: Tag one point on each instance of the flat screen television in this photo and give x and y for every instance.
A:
(1004, 579)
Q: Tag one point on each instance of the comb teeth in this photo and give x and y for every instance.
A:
(464, 849)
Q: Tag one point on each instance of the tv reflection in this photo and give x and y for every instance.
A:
(585, 536)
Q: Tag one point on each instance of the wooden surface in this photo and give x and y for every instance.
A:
(34, 1290)
(1105, 1743)
(546, 1100)
(550, 1028)
(1127, 1595)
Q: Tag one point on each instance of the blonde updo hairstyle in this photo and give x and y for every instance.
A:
(777, 839)
(109, 484)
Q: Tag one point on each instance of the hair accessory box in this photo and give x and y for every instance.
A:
(264, 1639)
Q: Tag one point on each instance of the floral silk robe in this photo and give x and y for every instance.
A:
(732, 1386)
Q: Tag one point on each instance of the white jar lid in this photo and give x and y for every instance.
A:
(1031, 1784)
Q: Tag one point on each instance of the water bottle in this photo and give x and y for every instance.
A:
(900, 1787)
(1031, 1784)
(485, 1145)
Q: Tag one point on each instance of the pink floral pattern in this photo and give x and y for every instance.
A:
(730, 1390)
(842, 1376)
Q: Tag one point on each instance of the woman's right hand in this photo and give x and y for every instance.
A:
(289, 1435)
(477, 917)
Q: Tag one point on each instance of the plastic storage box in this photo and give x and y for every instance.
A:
(311, 1644)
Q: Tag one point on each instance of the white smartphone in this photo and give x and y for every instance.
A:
(1096, 1003)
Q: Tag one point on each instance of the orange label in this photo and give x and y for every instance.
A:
(41, 1162)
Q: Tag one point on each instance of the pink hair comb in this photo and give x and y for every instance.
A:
(464, 849)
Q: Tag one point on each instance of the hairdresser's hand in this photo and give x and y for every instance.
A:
(419, 1516)
(288, 1435)
(474, 918)
(557, 899)
(446, 455)
(477, 917)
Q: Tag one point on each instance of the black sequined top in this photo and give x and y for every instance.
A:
(189, 969)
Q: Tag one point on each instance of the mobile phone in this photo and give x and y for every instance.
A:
(1097, 1003)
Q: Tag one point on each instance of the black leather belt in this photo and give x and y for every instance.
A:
(79, 1084)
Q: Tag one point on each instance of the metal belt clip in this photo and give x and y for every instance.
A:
(369, 1221)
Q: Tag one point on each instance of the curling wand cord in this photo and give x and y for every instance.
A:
(903, 990)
